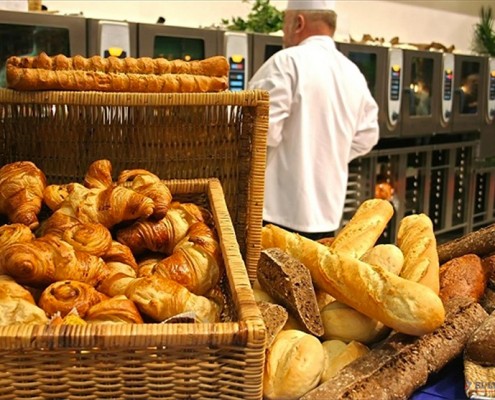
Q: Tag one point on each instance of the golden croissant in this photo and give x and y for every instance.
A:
(161, 298)
(108, 206)
(63, 296)
(162, 235)
(21, 192)
(91, 238)
(55, 195)
(196, 262)
(115, 310)
(149, 185)
(99, 175)
(47, 259)
(13, 233)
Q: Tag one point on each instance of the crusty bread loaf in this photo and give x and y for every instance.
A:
(274, 316)
(387, 256)
(479, 360)
(336, 362)
(117, 75)
(402, 363)
(403, 305)
(480, 242)
(363, 230)
(417, 241)
(463, 276)
(344, 323)
(488, 300)
(294, 365)
(288, 281)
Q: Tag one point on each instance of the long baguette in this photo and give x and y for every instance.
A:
(417, 241)
(403, 305)
(42, 79)
(213, 66)
(365, 227)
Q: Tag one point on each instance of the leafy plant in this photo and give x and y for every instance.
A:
(484, 36)
(263, 18)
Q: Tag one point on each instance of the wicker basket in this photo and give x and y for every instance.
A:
(148, 361)
(176, 136)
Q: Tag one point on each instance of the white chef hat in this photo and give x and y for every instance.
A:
(306, 5)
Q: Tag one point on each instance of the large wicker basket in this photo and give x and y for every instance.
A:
(176, 136)
(148, 361)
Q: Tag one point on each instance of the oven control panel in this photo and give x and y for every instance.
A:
(236, 52)
(447, 86)
(395, 78)
(491, 89)
(114, 39)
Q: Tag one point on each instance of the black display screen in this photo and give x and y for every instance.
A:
(30, 40)
(175, 48)
(366, 62)
(271, 49)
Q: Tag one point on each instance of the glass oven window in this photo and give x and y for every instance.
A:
(30, 40)
(470, 74)
(366, 62)
(174, 48)
(421, 85)
(271, 49)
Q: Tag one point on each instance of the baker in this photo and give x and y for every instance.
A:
(322, 116)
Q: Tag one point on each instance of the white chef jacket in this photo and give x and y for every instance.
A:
(322, 116)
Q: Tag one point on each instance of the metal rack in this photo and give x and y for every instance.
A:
(435, 179)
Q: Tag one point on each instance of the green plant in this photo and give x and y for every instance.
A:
(484, 36)
(263, 18)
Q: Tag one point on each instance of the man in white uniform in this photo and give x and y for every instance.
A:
(322, 116)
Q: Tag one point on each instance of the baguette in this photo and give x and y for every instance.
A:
(402, 363)
(363, 230)
(417, 241)
(117, 75)
(403, 305)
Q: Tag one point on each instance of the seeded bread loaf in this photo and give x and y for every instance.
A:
(288, 281)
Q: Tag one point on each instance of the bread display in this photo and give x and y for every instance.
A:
(73, 261)
(113, 74)
(289, 282)
(403, 305)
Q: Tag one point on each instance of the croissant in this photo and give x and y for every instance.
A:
(57, 223)
(12, 233)
(116, 283)
(10, 287)
(55, 195)
(21, 192)
(99, 175)
(17, 310)
(149, 185)
(108, 206)
(64, 296)
(48, 259)
(161, 298)
(91, 238)
(120, 253)
(116, 310)
(147, 263)
(196, 262)
(162, 235)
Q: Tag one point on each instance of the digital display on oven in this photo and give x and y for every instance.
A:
(366, 62)
(175, 48)
(237, 74)
(447, 87)
(492, 85)
(395, 72)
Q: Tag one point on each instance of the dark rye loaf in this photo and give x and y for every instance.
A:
(402, 363)
(289, 283)
(275, 317)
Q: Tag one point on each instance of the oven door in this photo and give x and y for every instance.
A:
(262, 48)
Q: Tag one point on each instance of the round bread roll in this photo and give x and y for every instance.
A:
(344, 323)
(338, 356)
(294, 365)
(331, 349)
(387, 256)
